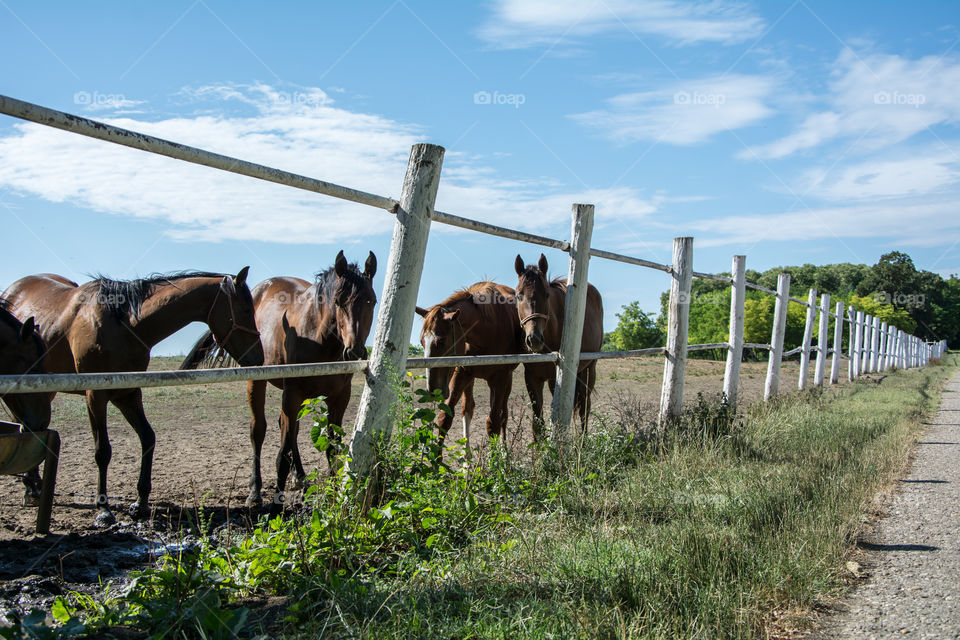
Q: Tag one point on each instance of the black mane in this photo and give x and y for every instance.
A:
(327, 281)
(124, 298)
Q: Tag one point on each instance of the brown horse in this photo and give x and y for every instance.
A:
(479, 320)
(109, 325)
(21, 352)
(303, 322)
(541, 304)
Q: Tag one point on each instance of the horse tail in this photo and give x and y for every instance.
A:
(203, 353)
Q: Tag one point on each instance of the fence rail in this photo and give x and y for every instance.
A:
(873, 346)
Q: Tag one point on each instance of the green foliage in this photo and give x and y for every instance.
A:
(635, 330)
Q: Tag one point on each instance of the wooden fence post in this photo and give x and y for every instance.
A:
(865, 344)
(823, 344)
(882, 357)
(731, 375)
(837, 345)
(852, 321)
(772, 386)
(678, 323)
(576, 306)
(807, 338)
(856, 344)
(875, 346)
(397, 305)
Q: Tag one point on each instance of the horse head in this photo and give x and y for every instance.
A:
(232, 320)
(442, 335)
(353, 301)
(533, 302)
(22, 351)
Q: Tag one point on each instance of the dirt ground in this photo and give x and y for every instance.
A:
(202, 463)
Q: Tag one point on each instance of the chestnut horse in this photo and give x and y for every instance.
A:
(109, 325)
(302, 322)
(479, 320)
(540, 305)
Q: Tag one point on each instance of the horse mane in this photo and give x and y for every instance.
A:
(469, 294)
(326, 283)
(125, 298)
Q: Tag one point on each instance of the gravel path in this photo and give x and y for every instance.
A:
(914, 589)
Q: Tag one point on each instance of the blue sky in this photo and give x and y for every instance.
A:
(791, 132)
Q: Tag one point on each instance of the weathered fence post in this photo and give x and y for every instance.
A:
(865, 354)
(807, 338)
(823, 344)
(731, 375)
(576, 306)
(391, 341)
(772, 386)
(858, 345)
(852, 321)
(678, 323)
(837, 346)
(882, 357)
(875, 346)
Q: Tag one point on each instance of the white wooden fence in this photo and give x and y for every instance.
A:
(873, 346)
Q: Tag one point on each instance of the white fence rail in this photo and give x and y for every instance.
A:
(873, 346)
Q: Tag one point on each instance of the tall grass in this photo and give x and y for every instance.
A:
(712, 529)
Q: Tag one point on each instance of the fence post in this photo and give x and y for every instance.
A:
(807, 338)
(882, 354)
(576, 306)
(731, 375)
(837, 346)
(865, 344)
(852, 321)
(856, 344)
(678, 322)
(822, 340)
(875, 346)
(772, 386)
(400, 287)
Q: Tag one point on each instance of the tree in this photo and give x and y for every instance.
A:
(635, 329)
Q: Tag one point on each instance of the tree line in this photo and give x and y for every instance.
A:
(894, 290)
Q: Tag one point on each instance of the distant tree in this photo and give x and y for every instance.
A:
(635, 329)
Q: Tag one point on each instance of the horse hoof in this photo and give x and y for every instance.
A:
(31, 499)
(138, 511)
(104, 519)
(254, 501)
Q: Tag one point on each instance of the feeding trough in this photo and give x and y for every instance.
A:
(21, 451)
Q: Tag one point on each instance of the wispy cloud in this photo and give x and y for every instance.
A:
(684, 113)
(519, 24)
(877, 100)
(300, 131)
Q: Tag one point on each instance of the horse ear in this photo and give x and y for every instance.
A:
(228, 286)
(370, 268)
(451, 315)
(241, 278)
(542, 265)
(518, 265)
(422, 312)
(340, 265)
(28, 328)
(289, 339)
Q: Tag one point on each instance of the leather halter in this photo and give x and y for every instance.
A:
(234, 325)
(533, 316)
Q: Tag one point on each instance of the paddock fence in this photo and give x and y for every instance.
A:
(873, 346)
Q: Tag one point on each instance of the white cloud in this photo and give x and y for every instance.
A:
(876, 100)
(910, 173)
(518, 24)
(684, 113)
(300, 132)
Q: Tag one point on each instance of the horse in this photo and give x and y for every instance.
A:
(111, 325)
(302, 322)
(540, 306)
(478, 320)
(21, 352)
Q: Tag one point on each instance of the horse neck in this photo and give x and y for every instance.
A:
(172, 306)
(553, 327)
(322, 316)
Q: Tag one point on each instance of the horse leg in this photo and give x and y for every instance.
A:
(499, 396)
(31, 485)
(97, 413)
(466, 412)
(289, 429)
(459, 382)
(131, 406)
(589, 380)
(535, 391)
(256, 398)
(336, 408)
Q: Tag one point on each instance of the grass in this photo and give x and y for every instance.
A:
(716, 528)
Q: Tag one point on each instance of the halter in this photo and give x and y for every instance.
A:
(234, 326)
(533, 316)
